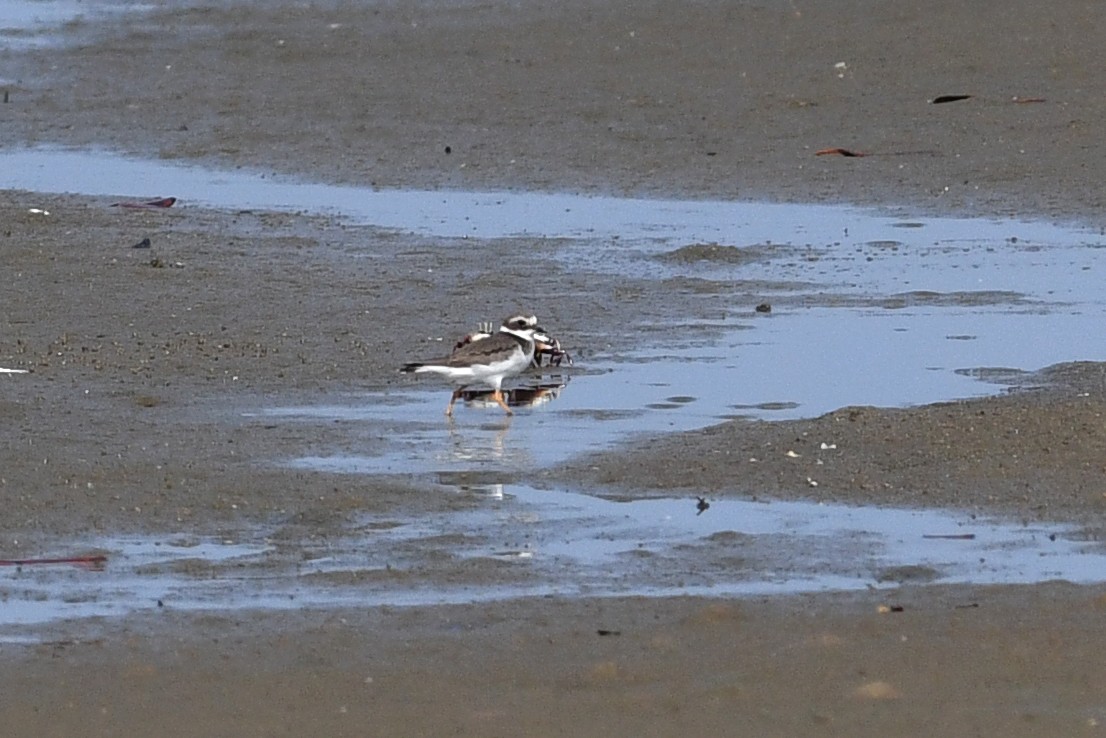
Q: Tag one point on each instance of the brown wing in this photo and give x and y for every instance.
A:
(483, 351)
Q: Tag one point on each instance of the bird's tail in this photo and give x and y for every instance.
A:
(411, 367)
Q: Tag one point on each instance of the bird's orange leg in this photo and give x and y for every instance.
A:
(498, 397)
(452, 399)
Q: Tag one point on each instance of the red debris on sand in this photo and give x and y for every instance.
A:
(94, 562)
(839, 152)
(165, 202)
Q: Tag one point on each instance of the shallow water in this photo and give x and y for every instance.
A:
(516, 541)
(870, 309)
(788, 367)
(459, 214)
(25, 15)
(36, 23)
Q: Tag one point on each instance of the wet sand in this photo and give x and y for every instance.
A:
(138, 354)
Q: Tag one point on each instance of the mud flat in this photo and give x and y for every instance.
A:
(296, 541)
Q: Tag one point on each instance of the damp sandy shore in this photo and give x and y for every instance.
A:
(136, 355)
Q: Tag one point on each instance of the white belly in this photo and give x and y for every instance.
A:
(490, 374)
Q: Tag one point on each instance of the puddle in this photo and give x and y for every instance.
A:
(737, 547)
(137, 573)
(871, 309)
(792, 366)
(35, 23)
(905, 311)
(955, 262)
(27, 15)
(458, 214)
(516, 541)
(844, 250)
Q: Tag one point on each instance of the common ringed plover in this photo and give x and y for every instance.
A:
(550, 349)
(489, 360)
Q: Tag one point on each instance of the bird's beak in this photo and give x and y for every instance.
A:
(543, 341)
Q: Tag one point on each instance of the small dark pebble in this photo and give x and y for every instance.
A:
(763, 308)
(143, 244)
(948, 98)
(449, 149)
(604, 632)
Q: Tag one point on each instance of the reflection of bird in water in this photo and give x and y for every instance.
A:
(482, 445)
(490, 491)
(489, 358)
(517, 396)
